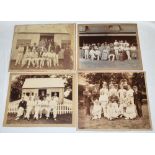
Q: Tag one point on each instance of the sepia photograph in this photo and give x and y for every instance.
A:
(43, 47)
(40, 100)
(109, 46)
(113, 101)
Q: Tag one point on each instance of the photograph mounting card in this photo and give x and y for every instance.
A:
(109, 47)
(113, 101)
(43, 47)
(40, 100)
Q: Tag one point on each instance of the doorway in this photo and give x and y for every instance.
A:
(52, 94)
(46, 39)
(47, 36)
(42, 93)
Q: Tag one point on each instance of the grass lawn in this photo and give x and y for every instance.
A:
(61, 119)
(84, 122)
(18, 67)
(127, 64)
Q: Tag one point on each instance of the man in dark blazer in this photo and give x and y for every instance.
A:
(138, 101)
(21, 108)
(87, 100)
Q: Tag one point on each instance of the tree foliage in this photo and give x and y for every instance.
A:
(137, 79)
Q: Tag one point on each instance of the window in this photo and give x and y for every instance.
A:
(52, 93)
(23, 42)
(42, 92)
(27, 94)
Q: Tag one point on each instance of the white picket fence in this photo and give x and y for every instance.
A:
(65, 108)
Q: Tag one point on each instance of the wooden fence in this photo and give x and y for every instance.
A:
(61, 108)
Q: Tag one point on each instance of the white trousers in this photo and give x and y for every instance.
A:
(112, 113)
(56, 60)
(43, 109)
(28, 112)
(48, 112)
(92, 57)
(121, 109)
(130, 100)
(128, 55)
(96, 113)
(36, 112)
(111, 57)
(104, 107)
(130, 115)
(131, 112)
(53, 110)
(104, 101)
(49, 62)
(42, 61)
(30, 61)
(122, 105)
(24, 62)
(36, 62)
(19, 59)
(116, 53)
(86, 54)
(20, 112)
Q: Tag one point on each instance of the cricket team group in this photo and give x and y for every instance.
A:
(46, 53)
(117, 50)
(114, 101)
(37, 106)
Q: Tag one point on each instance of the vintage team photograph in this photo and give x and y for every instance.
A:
(109, 46)
(40, 100)
(43, 47)
(113, 101)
